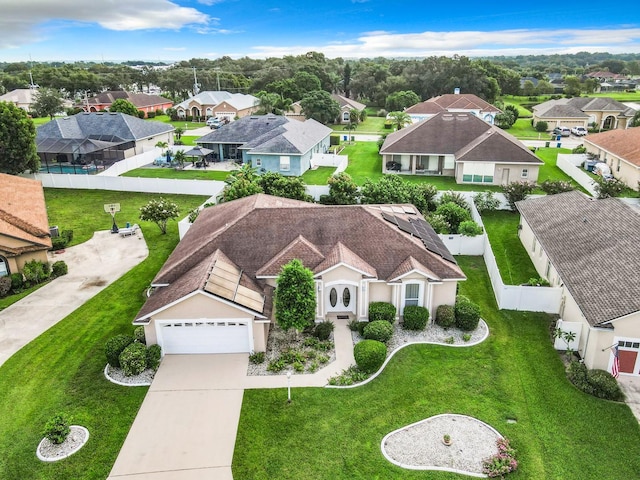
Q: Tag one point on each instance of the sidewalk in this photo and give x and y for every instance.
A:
(93, 266)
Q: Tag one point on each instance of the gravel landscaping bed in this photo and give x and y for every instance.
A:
(420, 446)
(116, 375)
(433, 333)
(278, 342)
(50, 452)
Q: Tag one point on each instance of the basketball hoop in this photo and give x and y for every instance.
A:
(112, 209)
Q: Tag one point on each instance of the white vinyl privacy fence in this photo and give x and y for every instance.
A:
(566, 163)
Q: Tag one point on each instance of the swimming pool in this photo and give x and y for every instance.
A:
(73, 169)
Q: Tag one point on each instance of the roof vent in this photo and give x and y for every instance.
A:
(456, 91)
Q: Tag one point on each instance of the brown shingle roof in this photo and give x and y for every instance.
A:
(23, 213)
(452, 101)
(593, 244)
(257, 233)
(622, 143)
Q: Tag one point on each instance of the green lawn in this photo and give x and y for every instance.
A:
(319, 176)
(513, 261)
(62, 370)
(560, 432)
(199, 174)
(522, 111)
(550, 171)
(180, 123)
(189, 140)
(523, 130)
(373, 125)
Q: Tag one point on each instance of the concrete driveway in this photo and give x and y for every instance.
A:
(187, 424)
(93, 265)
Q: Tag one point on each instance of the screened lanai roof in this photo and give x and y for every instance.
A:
(75, 145)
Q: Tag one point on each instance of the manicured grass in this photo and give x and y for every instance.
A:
(513, 261)
(199, 174)
(180, 123)
(319, 176)
(523, 130)
(550, 171)
(373, 125)
(188, 140)
(522, 111)
(62, 370)
(327, 433)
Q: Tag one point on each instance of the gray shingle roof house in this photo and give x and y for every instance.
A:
(96, 139)
(270, 142)
(605, 113)
(459, 145)
(214, 293)
(346, 105)
(590, 248)
(454, 102)
(221, 104)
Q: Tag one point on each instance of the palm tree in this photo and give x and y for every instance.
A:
(400, 119)
(179, 131)
(245, 172)
(180, 158)
(162, 145)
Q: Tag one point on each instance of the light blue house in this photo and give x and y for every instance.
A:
(271, 143)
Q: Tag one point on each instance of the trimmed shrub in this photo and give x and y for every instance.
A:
(154, 355)
(353, 325)
(382, 311)
(445, 316)
(322, 330)
(486, 202)
(604, 385)
(541, 126)
(369, 355)
(59, 268)
(17, 281)
(35, 272)
(138, 335)
(415, 317)
(57, 428)
(257, 357)
(114, 347)
(133, 359)
(577, 374)
(469, 228)
(379, 330)
(151, 114)
(58, 243)
(360, 327)
(467, 313)
(5, 286)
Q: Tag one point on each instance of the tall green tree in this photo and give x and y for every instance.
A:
(124, 106)
(320, 106)
(48, 102)
(342, 190)
(273, 183)
(398, 101)
(295, 297)
(17, 141)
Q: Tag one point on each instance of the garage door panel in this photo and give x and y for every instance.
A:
(204, 337)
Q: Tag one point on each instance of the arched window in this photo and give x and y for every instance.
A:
(4, 266)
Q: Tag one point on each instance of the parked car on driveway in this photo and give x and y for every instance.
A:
(214, 123)
(562, 131)
(579, 131)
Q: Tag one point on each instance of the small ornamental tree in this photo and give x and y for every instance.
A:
(606, 188)
(124, 106)
(295, 298)
(342, 190)
(517, 191)
(159, 212)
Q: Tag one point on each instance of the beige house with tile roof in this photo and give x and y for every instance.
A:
(459, 145)
(589, 247)
(454, 103)
(24, 227)
(215, 292)
(603, 112)
(620, 149)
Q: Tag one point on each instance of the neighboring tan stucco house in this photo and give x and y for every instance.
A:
(270, 143)
(589, 247)
(220, 104)
(605, 113)
(24, 227)
(454, 103)
(620, 149)
(459, 145)
(346, 105)
(215, 292)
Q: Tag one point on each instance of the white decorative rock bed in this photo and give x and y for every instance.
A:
(117, 376)
(50, 452)
(419, 446)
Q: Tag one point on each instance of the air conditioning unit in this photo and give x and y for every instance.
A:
(54, 232)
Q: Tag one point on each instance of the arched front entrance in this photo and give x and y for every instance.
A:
(195, 112)
(4, 267)
(340, 298)
(609, 123)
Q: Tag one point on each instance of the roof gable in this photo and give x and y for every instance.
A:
(622, 143)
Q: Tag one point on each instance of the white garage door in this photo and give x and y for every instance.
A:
(180, 337)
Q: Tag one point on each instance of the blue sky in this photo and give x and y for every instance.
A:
(167, 30)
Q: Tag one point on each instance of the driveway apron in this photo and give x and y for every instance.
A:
(186, 427)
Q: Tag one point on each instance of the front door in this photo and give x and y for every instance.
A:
(505, 176)
(341, 298)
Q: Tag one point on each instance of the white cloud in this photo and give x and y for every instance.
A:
(471, 43)
(209, 2)
(19, 23)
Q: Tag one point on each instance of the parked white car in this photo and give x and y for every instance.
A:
(579, 131)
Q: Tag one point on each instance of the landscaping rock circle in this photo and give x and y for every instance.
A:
(50, 452)
(117, 376)
(420, 446)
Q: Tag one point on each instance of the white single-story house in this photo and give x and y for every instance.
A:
(220, 104)
(215, 292)
(589, 247)
(459, 145)
(454, 103)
